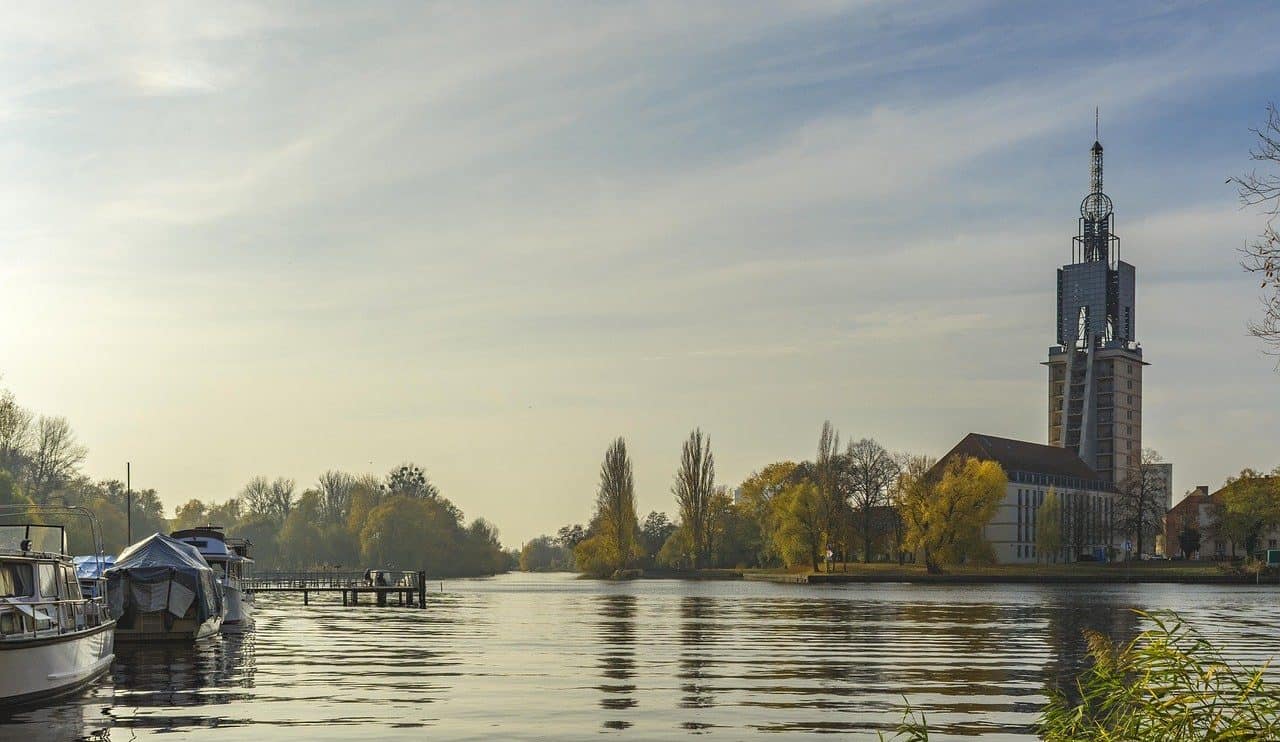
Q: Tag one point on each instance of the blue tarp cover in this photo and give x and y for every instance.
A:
(158, 573)
(91, 567)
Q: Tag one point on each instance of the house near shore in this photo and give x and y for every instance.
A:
(1087, 499)
(1197, 510)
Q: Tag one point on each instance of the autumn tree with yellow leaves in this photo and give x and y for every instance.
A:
(946, 510)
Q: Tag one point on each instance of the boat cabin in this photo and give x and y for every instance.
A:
(40, 591)
(228, 557)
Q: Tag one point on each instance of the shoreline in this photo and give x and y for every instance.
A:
(1006, 579)
(1198, 574)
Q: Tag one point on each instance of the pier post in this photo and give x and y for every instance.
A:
(305, 601)
(382, 598)
(422, 589)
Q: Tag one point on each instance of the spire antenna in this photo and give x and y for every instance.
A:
(1095, 123)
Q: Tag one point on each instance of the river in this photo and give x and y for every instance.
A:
(553, 657)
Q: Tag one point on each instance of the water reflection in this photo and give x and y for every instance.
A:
(506, 659)
(699, 627)
(617, 657)
(72, 719)
(156, 682)
(1064, 636)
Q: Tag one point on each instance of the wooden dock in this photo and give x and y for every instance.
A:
(408, 588)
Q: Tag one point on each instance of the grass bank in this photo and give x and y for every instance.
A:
(1209, 573)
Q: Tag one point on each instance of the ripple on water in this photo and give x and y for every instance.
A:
(549, 656)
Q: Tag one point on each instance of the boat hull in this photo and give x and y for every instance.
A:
(150, 626)
(41, 669)
(239, 610)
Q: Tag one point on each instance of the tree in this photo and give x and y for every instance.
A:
(301, 543)
(15, 434)
(1188, 535)
(1249, 507)
(654, 533)
(694, 487)
(394, 533)
(911, 469)
(272, 499)
(10, 494)
(226, 514)
(1140, 504)
(1262, 257)
(615, 518)
(335, 488)
(482, 548)
(412, 481)
(54, 457)
(946, 511)
(799, 531)
(545, 554)
(871, 471)
(733, 538)
(570, 536)
(263, 533)
(366, 494)
(757, 493)
(1049, 527)
(827, 468)
(191, 514)
(677, 552)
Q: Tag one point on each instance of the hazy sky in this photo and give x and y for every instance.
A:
(274, 239)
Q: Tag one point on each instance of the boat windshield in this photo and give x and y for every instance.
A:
(16, 580)
(31, 537)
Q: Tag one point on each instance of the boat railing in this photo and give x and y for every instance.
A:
(33, 619)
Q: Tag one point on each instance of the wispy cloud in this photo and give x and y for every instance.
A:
(386, 230)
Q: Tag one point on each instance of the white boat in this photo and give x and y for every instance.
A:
(162, 589)
(229, 558)
(53, 640)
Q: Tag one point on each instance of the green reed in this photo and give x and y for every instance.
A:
(1169, 684)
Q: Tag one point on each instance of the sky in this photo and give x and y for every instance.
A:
(241, 239)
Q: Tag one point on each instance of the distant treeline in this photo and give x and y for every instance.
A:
(343, 520)
(861, 502)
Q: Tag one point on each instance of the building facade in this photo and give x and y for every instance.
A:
(1086, 498)
(1162, 476)
(1095, 370)
(1197, 511)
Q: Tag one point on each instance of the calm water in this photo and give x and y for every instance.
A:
(552, 657)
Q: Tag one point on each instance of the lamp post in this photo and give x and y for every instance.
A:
(128, 504)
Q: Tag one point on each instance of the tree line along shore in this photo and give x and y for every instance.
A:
(342, 520)
(862, 513)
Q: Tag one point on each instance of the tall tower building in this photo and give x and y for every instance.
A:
(1095, 370)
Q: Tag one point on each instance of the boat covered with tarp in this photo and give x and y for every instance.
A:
(89, 571)
(162, 588)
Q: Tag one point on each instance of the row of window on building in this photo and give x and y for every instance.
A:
(1096, 517)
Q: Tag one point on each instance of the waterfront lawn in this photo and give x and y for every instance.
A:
(1120, 571)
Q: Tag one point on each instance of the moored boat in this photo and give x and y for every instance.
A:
(89, 571)
(229, 558)
(163, 589)
(53, 639)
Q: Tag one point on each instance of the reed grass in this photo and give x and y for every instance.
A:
(1170, 684)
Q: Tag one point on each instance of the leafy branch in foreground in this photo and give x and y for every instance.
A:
(1167, 685)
